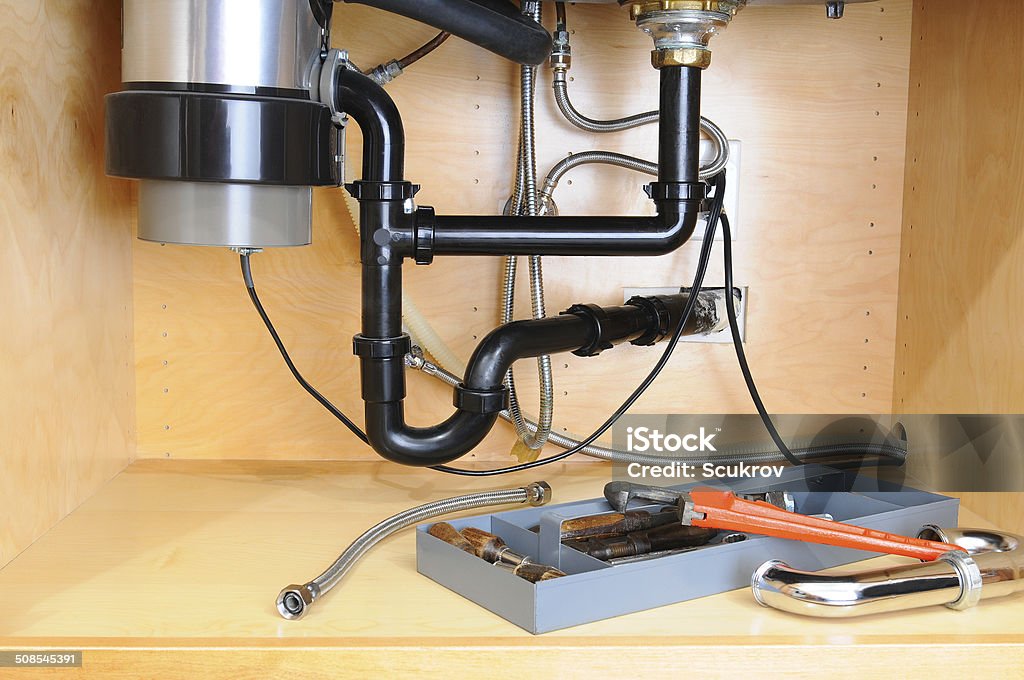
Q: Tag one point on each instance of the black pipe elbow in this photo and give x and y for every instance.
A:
(679, 223)
(495, 25)
(390, 234)
(586, 330)
(380, 122)
(394, 439)
(504, 345)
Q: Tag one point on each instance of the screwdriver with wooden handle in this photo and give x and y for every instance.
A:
(615, 524)
(449, 534)
(492, 548)
(669, 537)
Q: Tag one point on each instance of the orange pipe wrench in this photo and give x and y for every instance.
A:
(716, 509)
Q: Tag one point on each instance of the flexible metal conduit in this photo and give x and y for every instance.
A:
(526, 189)
(992, 567)
(295, 600)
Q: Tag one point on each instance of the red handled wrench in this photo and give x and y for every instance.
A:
(716, 509)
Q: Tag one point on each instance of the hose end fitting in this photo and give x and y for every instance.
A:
(538, 493)
(382, 74)
(295, 600)
(561, 52)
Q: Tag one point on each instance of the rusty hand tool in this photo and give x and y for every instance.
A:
(492, 548)
(669, 537)
(713, 508)
(449, 534)
(615, 524)
(731, 537)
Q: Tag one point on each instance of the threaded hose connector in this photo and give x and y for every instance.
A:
(293, 602)
(538, 493)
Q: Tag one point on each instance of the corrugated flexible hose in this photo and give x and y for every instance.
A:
(526, 202)
(295, 600)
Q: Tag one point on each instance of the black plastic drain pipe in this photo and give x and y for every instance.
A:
(391, 233)
(676, 195)
(495, 25)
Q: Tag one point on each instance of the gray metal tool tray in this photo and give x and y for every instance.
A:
(595, 590)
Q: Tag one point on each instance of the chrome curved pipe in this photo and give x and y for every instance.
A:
(992, 566)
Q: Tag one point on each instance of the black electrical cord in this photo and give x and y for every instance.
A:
(705, 255)
(737, 343)
(247, 277)
(716, 217)
(718, 182)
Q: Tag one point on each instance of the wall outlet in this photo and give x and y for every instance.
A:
(723, 336)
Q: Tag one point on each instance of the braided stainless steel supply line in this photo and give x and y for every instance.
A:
(585, 157)
(572, 115)
(294, 601)
(568, 440)
(714, 133)
(561, 62)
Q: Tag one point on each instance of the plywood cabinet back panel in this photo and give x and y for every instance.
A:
(66, 375)
(820, 108)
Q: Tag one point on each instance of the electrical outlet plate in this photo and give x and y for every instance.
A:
(723, 336)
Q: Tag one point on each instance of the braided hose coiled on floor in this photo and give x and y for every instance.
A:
(294, 601)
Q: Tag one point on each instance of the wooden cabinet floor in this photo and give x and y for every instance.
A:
(172, 569)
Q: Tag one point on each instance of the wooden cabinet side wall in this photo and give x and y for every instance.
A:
(960, 332)
(66, 375)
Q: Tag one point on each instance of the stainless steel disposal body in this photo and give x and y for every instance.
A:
(220, 119)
